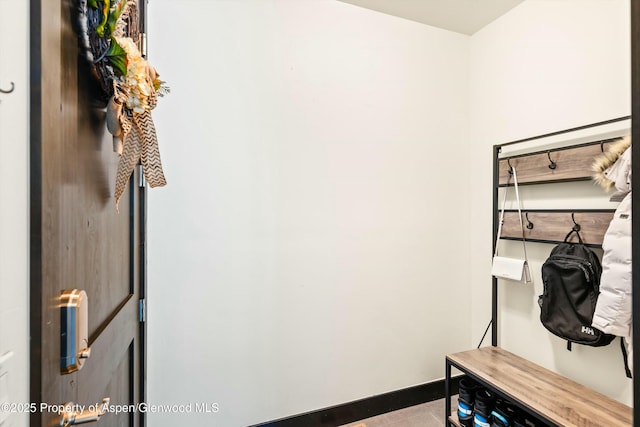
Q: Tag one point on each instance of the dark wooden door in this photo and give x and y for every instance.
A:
(78, 240)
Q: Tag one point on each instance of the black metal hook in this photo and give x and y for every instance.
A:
(552, 164)
(510, 167)
(602, 146)
(13, 86)
(576, 226)
(529, 223)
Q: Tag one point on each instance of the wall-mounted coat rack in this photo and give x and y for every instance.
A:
(552, 226)
(567, 163)
(571, 163)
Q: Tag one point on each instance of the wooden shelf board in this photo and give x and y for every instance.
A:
(571, 164)
(553, 226)
(545, 393)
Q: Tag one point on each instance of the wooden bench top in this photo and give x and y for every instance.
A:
(546, 393)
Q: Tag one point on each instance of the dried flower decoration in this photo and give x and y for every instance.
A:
(110, 36)
(140, 78)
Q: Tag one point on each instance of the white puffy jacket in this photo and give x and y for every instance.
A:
(613, 308)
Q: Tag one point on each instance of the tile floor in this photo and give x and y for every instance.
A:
(430, 414)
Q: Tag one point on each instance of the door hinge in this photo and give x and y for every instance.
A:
(143, 42)
(142, 311)
(141, 180)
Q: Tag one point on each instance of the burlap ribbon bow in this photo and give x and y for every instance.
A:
(139, 142)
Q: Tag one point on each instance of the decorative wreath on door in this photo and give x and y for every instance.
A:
(110, 38)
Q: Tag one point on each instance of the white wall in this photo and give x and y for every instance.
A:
(314, 153)
(14, 143)
(544, 66)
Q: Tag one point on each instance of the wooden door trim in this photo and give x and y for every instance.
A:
(142, 292)
(35, 210)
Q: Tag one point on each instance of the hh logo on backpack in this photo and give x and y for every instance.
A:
(571, 277)
(588, 330)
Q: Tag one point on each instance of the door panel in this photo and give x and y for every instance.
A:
(78, 239)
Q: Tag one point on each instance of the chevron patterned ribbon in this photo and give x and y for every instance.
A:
(140, 145)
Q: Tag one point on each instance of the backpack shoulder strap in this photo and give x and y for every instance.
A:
(625, 358)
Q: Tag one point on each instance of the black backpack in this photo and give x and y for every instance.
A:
(571, 277)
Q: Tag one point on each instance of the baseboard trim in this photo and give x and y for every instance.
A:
(368, 407)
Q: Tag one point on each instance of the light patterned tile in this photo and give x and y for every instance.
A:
(435, 421)
(414, 410)
(430, 414)
(369, 422)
